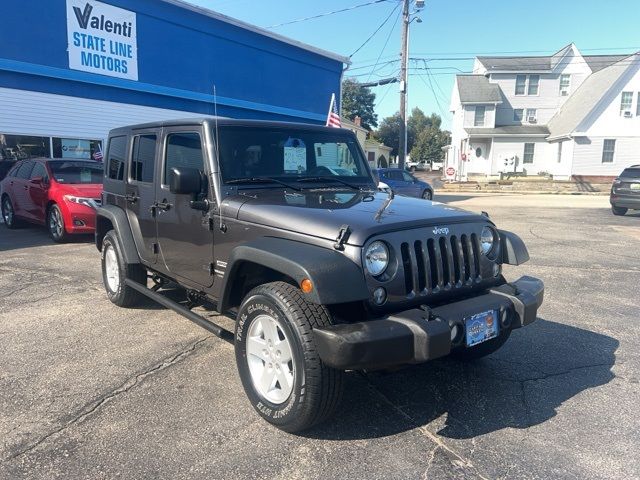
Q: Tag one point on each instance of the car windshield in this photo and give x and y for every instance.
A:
(76, 172)
(291, 155)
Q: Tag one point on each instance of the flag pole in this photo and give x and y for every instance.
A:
(333, 99)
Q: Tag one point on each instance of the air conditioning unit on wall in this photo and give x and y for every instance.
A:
(532, 119)
(564, 93)
(627, 114)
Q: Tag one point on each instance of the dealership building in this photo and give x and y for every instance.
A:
(71, 70)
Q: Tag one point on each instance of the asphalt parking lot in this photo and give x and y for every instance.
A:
(88, 390)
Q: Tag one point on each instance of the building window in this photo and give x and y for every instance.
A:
(371, 157)
(518, 115)
(534, 81)
(625, 102)
(478, 152)
(19, 147)
(565, 84)
(608, 150)
(521, 82)
(116, 161)
(528, 152)
(638, 107)
(76, 148)
(559, 157)
(143, 158)
(478, 118)
(532, 115)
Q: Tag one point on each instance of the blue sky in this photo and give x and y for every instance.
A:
(451, 31)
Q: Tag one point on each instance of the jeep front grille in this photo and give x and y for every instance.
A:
(440, 263)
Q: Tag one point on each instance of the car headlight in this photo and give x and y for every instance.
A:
(88, 202)
(488, 240)
(376, 258)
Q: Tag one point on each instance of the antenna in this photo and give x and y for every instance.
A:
(221, 225)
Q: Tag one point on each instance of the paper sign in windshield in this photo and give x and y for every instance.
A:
(295, 156)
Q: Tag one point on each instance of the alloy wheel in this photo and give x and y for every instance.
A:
(111, 268)
(56, 224)
(270, 359)
(7, 211)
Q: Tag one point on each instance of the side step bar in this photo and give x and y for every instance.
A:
(176, 307)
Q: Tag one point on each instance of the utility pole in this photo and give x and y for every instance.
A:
(404, 59)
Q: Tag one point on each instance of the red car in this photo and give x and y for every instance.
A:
(60, 194)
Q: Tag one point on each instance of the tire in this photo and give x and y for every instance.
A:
(427, 195)
(482, 350)
(115, 271)
(274, 323)
(8, 214)
(618, 210)
(55, 224)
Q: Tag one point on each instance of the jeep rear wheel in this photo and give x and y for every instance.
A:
(280, 370)
(115, 271)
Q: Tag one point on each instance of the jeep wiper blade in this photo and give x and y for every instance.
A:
(261, 180)
(329, 177)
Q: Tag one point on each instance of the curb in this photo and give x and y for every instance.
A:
(521, 192)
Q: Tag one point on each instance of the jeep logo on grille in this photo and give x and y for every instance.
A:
(440, 231)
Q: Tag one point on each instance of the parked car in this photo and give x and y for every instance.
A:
(321, 272)
(419, 165)
(60, 194)
(437, 165)
(403, 183)
(625, 191)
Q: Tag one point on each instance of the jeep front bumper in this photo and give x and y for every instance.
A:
(417, 335)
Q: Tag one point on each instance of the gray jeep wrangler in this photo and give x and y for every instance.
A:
(280, 226)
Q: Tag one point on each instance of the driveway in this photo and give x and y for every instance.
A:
(89, 390)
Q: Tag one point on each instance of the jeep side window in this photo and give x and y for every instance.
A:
(116, 160)
(184, 149)
(143, 157)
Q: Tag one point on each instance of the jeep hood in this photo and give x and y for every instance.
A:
(322, 213)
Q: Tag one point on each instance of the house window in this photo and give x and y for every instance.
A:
(608, 149)
(532, 115)
(518, 115)
(559, 158)
(565, 83)
(638, 107)
(478, 118)
(528, 152)
(626, 101)
(534, 81)
(521, 81)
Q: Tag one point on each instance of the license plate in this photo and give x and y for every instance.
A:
(481, 327)
(635, 186)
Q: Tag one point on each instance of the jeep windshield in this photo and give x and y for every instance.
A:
(255, 155)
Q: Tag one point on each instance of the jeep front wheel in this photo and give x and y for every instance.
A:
(115, 271)
(280, 370)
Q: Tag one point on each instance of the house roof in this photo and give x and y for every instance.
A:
(515, 130)
(545, 63)
(477, 89)
(586, 97)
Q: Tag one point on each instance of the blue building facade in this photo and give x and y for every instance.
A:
(72, 69)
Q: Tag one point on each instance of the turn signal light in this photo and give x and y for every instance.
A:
(306, 286)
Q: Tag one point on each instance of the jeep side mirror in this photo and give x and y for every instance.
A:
(186, 181)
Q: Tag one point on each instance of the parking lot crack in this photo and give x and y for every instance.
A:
(97, 404)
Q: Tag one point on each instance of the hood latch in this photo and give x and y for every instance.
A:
(343, 236)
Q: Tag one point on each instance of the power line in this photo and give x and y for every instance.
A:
(325, 14)
(376, 30)
(386, 42)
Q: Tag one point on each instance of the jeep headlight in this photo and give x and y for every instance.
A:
(488, 240)
(376, 258)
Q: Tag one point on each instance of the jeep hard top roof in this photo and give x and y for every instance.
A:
(222, 121)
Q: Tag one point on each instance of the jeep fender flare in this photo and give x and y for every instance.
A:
(514, 251)
(335, 277)
(111, 216)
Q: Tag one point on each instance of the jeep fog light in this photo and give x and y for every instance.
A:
(379, 296)
(376, 258)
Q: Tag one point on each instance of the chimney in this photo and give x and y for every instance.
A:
(357, 121)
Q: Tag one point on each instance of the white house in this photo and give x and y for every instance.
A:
(566, 114)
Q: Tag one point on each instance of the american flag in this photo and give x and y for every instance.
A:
(97, 155)
(333, 118)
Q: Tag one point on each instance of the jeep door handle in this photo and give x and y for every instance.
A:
(131, 198)
(164, 206)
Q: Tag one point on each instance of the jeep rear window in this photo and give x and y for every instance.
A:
(289, 154)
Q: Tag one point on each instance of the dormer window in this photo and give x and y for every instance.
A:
(565, 84)
(478, 117)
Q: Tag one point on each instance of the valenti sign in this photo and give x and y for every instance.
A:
(102, 39)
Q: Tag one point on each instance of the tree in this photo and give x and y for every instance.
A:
(389, 132)
(422, 130)
(429, 143)
(358, 101)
